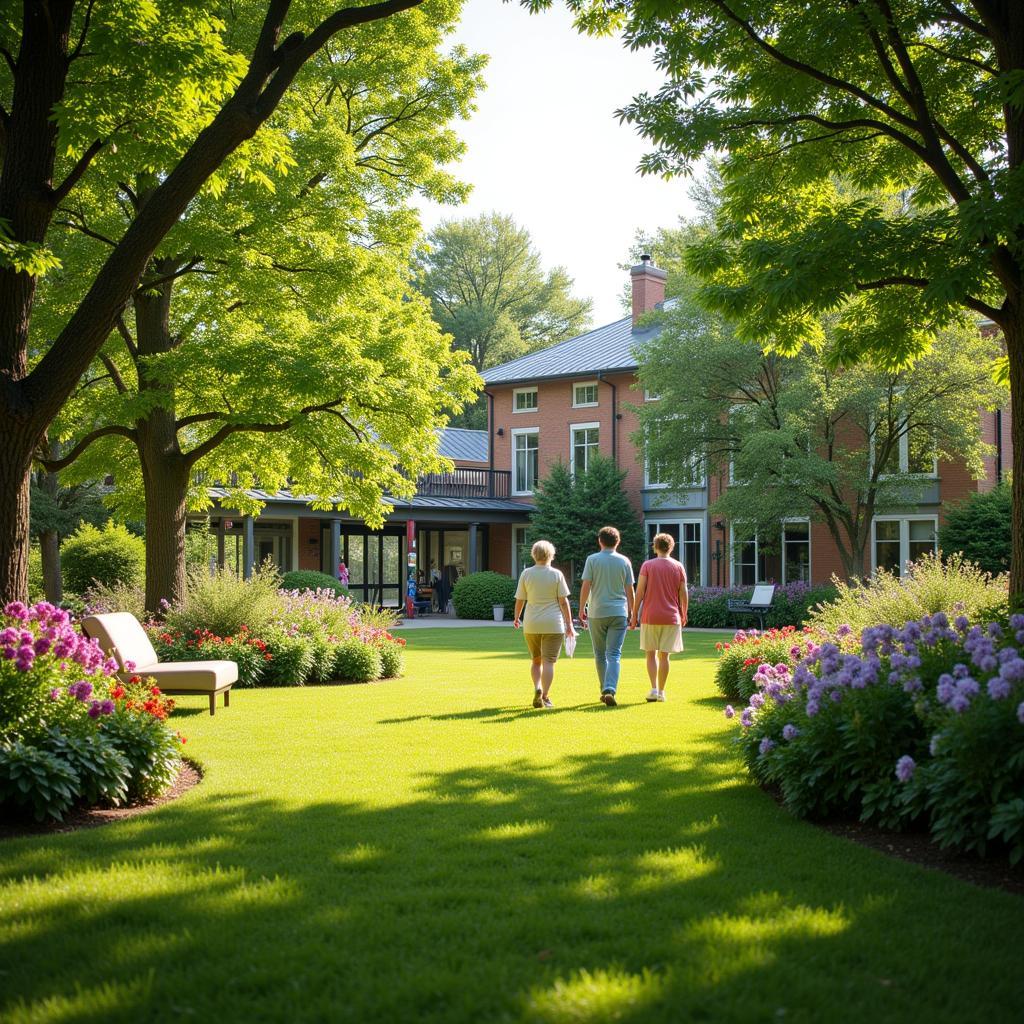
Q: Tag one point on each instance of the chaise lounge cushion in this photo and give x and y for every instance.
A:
(121, 635)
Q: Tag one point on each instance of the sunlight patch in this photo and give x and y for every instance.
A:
(596, 887)
(681, 864)
(515, 830)
(622, 807)
(363, 853)
(595, 998)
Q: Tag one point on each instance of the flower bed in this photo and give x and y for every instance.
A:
(311, 636)
(70, 732)
(792, 605)
(919, 724)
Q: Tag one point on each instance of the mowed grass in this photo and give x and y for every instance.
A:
(431, 849)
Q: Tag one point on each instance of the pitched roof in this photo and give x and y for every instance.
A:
(464, 445)
(598, 351)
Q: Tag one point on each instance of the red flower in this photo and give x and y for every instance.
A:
(135, 680)
(268, 657)
(155, 690)
(117, 693)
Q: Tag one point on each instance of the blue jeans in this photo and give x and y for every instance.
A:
(608, 634)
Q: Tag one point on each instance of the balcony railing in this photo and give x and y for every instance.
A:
(466, 483)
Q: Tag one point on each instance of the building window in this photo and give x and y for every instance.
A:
(746, 563)
(585, 445)
(584, 395)
(689, 547)
(520, 551)
(796, 552)
(901, 540)
(656, 470)
(525, 460)
(524, 399)
(651, 396)
(914, 453)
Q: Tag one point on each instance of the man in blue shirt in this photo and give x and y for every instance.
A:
(606, 604)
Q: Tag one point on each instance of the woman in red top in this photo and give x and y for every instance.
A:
(661, 594)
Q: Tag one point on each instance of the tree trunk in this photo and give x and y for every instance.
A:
(15, 461)
(1013, 332)
(53, 583)
(166, 482)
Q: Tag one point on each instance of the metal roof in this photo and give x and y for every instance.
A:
(464, 445)
(220, 494)
(598, 351)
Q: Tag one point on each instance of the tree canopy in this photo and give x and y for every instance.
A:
(872, 166)
(797, 436)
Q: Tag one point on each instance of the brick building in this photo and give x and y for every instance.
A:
(578, 397)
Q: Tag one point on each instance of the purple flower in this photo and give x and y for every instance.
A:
(747, 718)
(55, 694)
(129, 666)
(767, 745)
(94, 709)
(82, 690)
(1012, 671)
(107, 707)
(998, 688)
(729, 711)
(756, 701)
(790, 731)
(961, 624)
(911, 684)
(843, 630)
(960, 703)
(812, 708)
(41, 646)
(16, 610)
(905, 768)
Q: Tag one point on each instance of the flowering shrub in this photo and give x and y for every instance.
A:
(248, 652)
(921, 722)
(357, 662)
(791, 605)
(63, 712)
(749, 649)
(392, 657)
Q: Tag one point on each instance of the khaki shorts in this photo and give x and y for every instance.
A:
(546, 646)
(667, 639)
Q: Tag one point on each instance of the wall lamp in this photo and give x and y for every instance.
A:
(500, 431)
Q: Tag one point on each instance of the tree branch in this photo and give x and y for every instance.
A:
(53, 465)
(80, 226)
(76, 52)
(60, 193)
(956, 15)
(122, 329)
(115, 374)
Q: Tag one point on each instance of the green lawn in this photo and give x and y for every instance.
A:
(430, 849)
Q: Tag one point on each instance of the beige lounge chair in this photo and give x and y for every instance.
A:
(121, 636)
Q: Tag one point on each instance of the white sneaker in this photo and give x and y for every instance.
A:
(653, 696)
(661, 696)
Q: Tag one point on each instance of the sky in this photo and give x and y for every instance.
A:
(545, 145)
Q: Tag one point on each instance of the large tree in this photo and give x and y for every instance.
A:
(489, 290)
(271, 337)
(797, 436)
(136, 87)
(920, 98)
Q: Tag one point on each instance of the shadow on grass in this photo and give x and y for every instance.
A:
(639, 887)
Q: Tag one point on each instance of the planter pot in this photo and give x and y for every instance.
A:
(499, 613)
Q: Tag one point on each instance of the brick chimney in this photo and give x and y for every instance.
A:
(648, 286)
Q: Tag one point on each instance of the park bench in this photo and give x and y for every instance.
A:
(759, 603)
(123, 638)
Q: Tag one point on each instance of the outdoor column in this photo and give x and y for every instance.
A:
(410, 560)
(335, 546)
(248, 548)
(472, 546)
(220, 543)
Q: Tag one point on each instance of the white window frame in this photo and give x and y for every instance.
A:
(516, 567)
(904, 519)
(516, 432)
(700, 482)
(659, 522)
(903, 458)
(650, 396)
(573, 427)
(596, 385)
(525, 391)
(810, 548)
(734, 564)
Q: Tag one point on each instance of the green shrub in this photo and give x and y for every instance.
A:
(103, 771)
(978, 528)
(119, 597)
(307, 579)
(930, 585)
(475, 595)
(392, 659)
(292, 659)
(36, 780)
(151, 749)
(357, 662)
(322, 651)
(36, 586)
(739, 659)
(248, 652)
(109, 555)
(223, 603)
(791, 605)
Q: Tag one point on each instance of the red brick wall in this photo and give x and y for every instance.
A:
(499, 553)
(309, 543)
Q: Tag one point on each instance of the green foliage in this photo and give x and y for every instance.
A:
(37, 780)
(109, 555)
(247, 651)
(292, 659)
(474, 596)
(357, 662)
(63, 509)
(792, 605)
(571, 509)
(118, 597)
(36, 585)
(151, 749)
(223, 602)
(306, 579)
(980, 528)
(739, 658)
(487, 289)
(800, 438)
(392, 660)
(930, 585)
(103, 772)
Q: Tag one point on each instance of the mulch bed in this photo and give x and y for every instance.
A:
(918, 848)
(89, 817)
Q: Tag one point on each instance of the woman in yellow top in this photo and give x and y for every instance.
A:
(544, 592)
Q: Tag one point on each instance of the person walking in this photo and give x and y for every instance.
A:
(662, 596)
(544, 592)
(606, 606)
